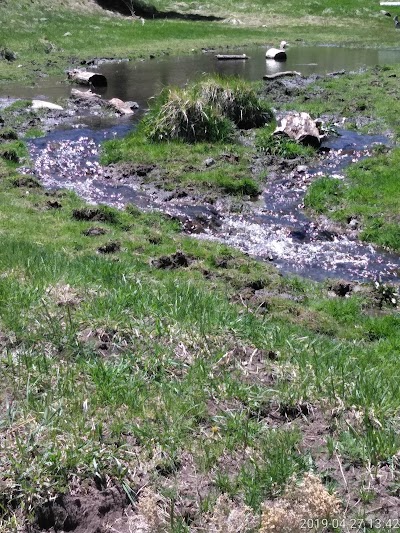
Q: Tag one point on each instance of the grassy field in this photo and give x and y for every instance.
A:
(214, 393)
(104, 353)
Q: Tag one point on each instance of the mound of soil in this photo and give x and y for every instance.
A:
(93, 213)
(169, 262)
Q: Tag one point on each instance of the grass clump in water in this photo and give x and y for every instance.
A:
(205, 111)
(181, 115)
(236, 100)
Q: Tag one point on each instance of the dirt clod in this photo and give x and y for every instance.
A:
(110, 247)
(169, 262)
(94, 232)
(93, 213)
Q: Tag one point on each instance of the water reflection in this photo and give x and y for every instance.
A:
(140, 80)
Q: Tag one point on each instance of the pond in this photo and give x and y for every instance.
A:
(140, 80)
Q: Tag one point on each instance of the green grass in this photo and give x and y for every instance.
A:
(281, 145)
(323, 194)
(112, 369)
(179, 164)
(99, 352)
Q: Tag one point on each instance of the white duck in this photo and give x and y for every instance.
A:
(278, 54)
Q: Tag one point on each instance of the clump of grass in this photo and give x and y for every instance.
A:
(323, 193)
(34, 133)
(237, 100)
(205, 111)
(18, 105)
(8, 134)
(13, 151)
(180, 114)
(231, 183)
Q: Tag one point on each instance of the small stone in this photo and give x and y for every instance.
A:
(354, 223)
(209, 162)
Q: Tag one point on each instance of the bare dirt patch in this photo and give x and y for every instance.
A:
(90, 510)
(170, 262)
(365, 490)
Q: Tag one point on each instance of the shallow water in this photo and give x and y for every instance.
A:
(279, 230)
(276, 227)
(140, 80)
(275, 230)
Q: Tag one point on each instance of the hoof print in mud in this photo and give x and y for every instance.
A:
(291, 412)
(170, 262)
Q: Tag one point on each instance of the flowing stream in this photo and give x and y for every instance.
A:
(274, 228)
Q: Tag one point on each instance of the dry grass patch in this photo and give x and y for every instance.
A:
(301, 505)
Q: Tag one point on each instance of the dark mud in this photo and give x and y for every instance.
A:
(88, 510)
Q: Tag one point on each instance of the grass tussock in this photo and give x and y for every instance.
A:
(184, 116)
(237, 100)
(206, 111)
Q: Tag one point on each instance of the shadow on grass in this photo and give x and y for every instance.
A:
(147, 11)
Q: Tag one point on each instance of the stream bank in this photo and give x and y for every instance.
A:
(273, 227)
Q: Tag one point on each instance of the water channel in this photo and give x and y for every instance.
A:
(275, 228)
